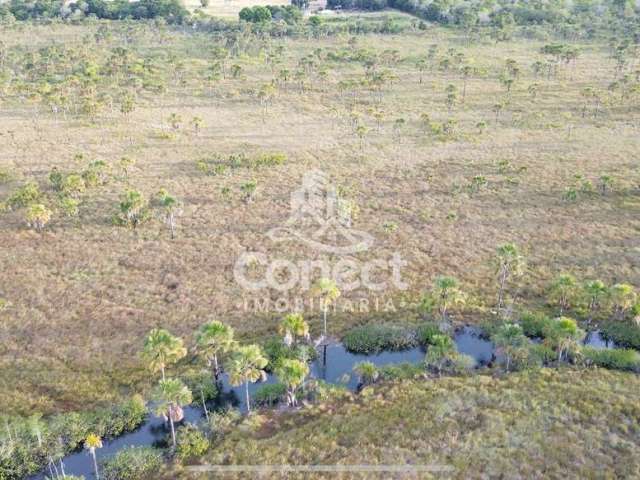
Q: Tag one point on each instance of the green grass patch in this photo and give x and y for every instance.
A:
(376, 338)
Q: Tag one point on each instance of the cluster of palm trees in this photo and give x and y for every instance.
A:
(243, 364)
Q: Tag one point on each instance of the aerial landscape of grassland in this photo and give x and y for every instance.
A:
(141, 157)
(97, 289)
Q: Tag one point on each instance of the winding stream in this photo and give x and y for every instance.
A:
(337, 371)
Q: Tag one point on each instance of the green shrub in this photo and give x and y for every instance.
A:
(135, 463)
(201, 383)
(376, 338)
(623, 334)
(269, 395)
(191, 442)
(534, 324)
(425, 333)
(615, 359)
(24, 196)
(401, 371)
(276, 350)
(540, 354)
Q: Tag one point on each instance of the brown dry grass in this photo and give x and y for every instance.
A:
(83, 294)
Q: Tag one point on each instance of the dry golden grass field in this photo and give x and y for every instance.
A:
(79, 297)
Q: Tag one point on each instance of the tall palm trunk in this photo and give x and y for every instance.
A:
(173, 429)
(95, 464)
(246, 393)
(324, 315)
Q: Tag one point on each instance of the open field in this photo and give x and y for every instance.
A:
(79, 297)
(544, 424)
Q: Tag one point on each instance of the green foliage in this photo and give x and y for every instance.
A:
(376, 338)
(134, 463)
(27, 194)
(257, 14)
(133, 209)
(426, 332)
(269, 395)
(171, 10)
(367, 372)
(401, 371)
(624, 334)
(191, 442)
(276, 350)
(23, 456)
(534, 325)
(615, 359)
(201, 383)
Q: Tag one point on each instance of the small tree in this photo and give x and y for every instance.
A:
(564, 335)
(509, 340)
(162, 349)
(197, 124)
(622, 297)
(445, 294)
(133, 208)
(92, 443)
(245, 365)
(595, 291)
(367, 373)
(213, 339)
(170, 396)
(292, 327)
(249, 190)
(509, 263)
(563, 291)
(441, 353)
(291, 373)
(170, 209)
(327, 291)
(38, 215)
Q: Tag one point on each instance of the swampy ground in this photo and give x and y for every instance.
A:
(543, 424)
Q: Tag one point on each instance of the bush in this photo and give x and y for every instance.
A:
(425, 333)
(614, 359)
(401, 371)
(269, 395)
(540, 354)
(201, 383)
(623, 334)
(191, 442)
(375, 338)
(135, 463)
(276, 350)
(534, 325)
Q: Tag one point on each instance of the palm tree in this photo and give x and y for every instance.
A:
(508, 340)
(622, 297)
(440, 353)
(91, 443)
(292, 373)
(214, 338)
(565, 335)
(595, 290)
(563, 290)
(367, 373)
(245, 365)
(162, 349)
(509, 263)
(447, 293)
(171, 394)
(292, 327)
(171, 208)
(328, 291)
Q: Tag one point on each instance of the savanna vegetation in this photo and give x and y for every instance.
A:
(145, 146)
